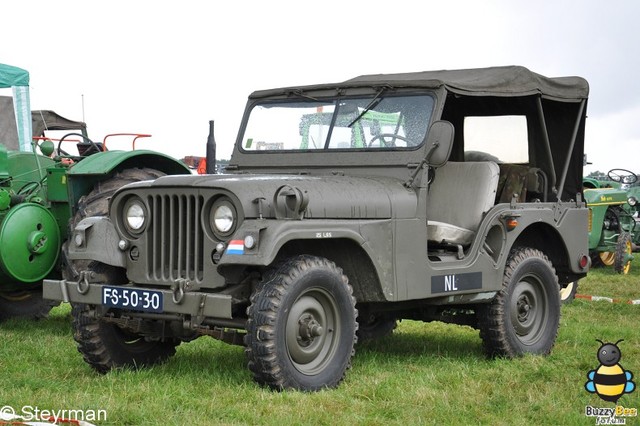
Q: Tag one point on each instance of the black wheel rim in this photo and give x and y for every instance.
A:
(529, 309)
(312, 332)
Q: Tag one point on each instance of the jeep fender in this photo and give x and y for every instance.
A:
(535, 229)
(271, 237)
(95, 238)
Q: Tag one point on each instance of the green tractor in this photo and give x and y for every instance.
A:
(45, 191)
(612, 226)
(633, 209)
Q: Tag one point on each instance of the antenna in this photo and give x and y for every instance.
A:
(82, 96)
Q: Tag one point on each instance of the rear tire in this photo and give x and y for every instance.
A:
(525, 315)
(25, 304)
(301, 327)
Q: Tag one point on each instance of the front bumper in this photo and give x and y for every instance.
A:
(190, 303)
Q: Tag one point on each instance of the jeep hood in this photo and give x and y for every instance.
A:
(332, 197)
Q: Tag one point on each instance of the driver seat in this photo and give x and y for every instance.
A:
(459, 196)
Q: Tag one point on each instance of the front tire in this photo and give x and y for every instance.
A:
(623, 254)
(301, 327)
(105, 346)
(525, 315)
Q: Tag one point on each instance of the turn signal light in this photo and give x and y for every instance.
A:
(511, 223)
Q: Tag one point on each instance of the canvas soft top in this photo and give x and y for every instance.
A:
(494, 81)
(50, 120)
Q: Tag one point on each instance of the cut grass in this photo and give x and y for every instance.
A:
(423, 374)
(604, 281)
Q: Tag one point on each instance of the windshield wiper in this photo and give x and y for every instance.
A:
(374, 102)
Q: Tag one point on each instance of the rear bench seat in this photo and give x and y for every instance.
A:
(521, 180)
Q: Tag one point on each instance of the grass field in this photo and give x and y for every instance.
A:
(423, 374)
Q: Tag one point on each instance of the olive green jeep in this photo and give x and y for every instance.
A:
(449, 196)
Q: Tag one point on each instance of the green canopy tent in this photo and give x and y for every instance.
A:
(18, 80)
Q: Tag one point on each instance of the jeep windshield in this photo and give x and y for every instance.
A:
(359, 123)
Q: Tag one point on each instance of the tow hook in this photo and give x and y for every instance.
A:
(178, 287)
(83, 281)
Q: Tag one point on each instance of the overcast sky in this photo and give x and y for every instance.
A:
(167, 68)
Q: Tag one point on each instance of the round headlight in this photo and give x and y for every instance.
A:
(632, 201)
(134, 216)
(223, 218)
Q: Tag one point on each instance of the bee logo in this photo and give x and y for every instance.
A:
(610, 381)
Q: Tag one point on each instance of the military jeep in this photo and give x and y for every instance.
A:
(449, 196)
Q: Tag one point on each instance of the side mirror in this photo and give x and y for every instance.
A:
(439, 143)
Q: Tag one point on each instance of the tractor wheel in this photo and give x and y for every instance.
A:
(25, 304)
(607, 258)
(525, 315)
(375, 327)
(301, 327)
(612, 217)
(568, 293)
(105, 346)
(96, 203)
(623, 254)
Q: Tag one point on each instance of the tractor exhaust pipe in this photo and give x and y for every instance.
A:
(211, 151)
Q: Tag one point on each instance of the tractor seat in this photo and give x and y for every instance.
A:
(459, 196)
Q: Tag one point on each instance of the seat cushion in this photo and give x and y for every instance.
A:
(441, 232)
(459, 196)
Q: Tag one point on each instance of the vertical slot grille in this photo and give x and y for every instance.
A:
(175, 238)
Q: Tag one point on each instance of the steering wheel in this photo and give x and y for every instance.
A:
(381, 136)
(622, 176)
(60, 150)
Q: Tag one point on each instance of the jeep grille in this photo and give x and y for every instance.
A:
(175, 238)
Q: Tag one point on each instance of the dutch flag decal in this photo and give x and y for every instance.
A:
(235, 247)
